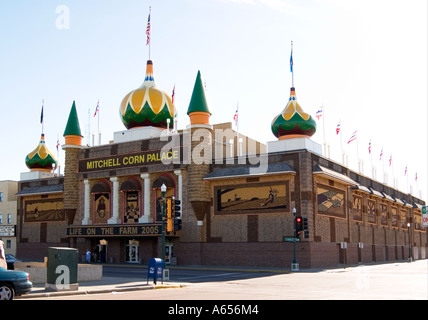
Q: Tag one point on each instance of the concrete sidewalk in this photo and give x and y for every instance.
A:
(105, 285)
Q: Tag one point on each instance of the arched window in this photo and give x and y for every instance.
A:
(131, 209)
(101, 195)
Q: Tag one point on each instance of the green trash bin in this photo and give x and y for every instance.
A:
(62, 269)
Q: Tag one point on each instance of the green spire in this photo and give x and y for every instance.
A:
(73, 127)
(198, 102)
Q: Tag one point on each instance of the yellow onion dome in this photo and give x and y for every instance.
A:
(41, 159)
(147, 105)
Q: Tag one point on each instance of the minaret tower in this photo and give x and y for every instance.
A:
(199, 194)
(72, 146)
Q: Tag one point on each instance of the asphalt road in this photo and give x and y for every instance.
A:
(188, 275)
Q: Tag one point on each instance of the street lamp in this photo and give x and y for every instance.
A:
(294, 265)
(410, 245)
(163, 191)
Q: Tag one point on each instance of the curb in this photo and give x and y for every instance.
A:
(95, 291)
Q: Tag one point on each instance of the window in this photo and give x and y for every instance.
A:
(9, 218)
(1, 196)
(1, 218)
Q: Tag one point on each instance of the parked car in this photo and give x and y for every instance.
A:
(13, 283)
(10, 260)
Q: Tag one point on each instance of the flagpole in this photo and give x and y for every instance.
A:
(341, 143)
(99, 132)
(292, 65)
(358, 156)
(323, 129)
(41, 116)
(238, 145)
(371, 158)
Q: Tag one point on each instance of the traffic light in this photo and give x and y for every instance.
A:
(305, 228)
(299, 226)
(176, 214)
(169, 216)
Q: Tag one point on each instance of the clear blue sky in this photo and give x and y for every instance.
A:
(364, 61)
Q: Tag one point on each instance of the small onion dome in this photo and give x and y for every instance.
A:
(147, 105)
(293, 122)
(41, 159)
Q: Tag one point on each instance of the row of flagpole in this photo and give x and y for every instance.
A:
(355, 139)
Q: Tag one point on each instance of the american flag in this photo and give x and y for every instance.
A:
(319, 113)
(97, 108)
(148, 31)
(338, 128)
(381, 154)
(235, 117)
(416, 177)
(173, 94)
(353, 137)
(405, 171)
(57, 145)
(390, 160)
(370, 146)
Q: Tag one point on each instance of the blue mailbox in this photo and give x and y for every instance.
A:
(155, 269)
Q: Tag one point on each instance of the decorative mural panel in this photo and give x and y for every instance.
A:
(418, 221)
(371, 211)
(403, 218)
(383, 214)
(44, 210)
(252, 198)
(331, 201)
(394, 217)
(132, 207)
(357, 208)
(101, 208)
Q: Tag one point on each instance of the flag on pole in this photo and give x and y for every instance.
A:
(390, 160)
(416, 177)
(381, 154)
(41, 114)
(370, 146)
(57, 145)
(148, 31)
(319, 113)
(173, 94)
(338, 128)
(291, 58)
(405, 171)
(353, 137)
(97, 108)
(235, 117)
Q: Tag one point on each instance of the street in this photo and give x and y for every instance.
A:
(393, 281)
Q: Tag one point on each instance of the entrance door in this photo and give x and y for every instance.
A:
(131, 252)
(101, 251)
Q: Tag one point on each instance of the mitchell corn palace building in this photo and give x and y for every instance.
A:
(237, 195)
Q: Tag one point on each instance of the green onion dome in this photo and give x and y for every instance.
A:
(41, 159)
(293, 122)
(147, 105)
